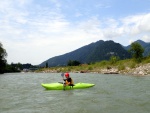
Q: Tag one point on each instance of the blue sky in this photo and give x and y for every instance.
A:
(33, 31)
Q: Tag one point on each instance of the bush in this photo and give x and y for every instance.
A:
(137, 51)
(114, 59)
(132, 65)
(121, 67)
(90, 68)
(73, 63)
(146, 60)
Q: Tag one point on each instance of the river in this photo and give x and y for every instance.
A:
(22, 93)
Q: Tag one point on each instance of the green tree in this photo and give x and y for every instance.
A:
(114, 59)
(137, 51)
(73, 63)
(19, 66)
(69, 63)
(46, 64)
(3, 61)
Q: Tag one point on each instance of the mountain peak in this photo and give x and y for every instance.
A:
(94, 52)
(142, 43)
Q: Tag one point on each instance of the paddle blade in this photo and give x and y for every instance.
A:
(62, 74)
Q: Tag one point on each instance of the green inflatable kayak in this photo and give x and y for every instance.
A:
(59, 86)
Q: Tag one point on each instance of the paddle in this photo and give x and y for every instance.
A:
(62, 75)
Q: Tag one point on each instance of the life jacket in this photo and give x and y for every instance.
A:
(69, 80)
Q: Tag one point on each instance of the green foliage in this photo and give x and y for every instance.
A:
(97, 66)
(146, 59)
(103, 63)
(4, 67)
(46, 64)
(11, 68)
(121, 67)
(73, 63)
(3, 61)
(114, 59)
(90, 68)
(132, 65)
(69, 68)
(17, 67)
(137, 51)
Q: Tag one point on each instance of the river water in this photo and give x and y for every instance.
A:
(22, 93)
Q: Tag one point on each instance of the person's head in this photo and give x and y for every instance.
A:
(67, 75)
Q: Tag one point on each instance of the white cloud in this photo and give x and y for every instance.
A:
(146, 38)
(34, 35)
(137, 23)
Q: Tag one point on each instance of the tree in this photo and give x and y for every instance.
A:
(137, 51)
(46, 64)
(73, 63)
(3, 61)
(114, 59)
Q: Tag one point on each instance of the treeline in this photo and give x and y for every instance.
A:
(136, 51)
(73, 63)
(3, 60)
(13, 67)
(69, 63)
(18, 67)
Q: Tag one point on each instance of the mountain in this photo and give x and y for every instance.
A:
(94, 52)
(145, 45)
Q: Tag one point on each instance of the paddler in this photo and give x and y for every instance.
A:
(68, 81)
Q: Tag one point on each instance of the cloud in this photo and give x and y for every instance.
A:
(146, 38)
(33, 33)
(137, 23)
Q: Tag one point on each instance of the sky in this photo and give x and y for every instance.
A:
(33, 31)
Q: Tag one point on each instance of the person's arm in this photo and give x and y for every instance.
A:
(64, 79)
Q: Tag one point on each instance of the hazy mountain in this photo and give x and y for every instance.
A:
(145, 45)
(94, 52)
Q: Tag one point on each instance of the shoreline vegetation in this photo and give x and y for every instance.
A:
(125, 67)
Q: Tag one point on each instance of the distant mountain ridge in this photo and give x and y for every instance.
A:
(94, 52)
(145, 45)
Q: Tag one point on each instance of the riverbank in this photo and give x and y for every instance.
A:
(141, 70)
(126, 67)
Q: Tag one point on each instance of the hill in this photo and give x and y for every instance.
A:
(145, 45)
(94, 52)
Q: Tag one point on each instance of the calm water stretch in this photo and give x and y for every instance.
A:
(22, 93)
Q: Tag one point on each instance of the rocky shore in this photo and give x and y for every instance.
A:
(139, 70)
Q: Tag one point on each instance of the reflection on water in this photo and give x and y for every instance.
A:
(22, 93)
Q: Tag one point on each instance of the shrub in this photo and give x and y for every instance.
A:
(132, 65)
(121, 67)
(90, 68)
(114, 59)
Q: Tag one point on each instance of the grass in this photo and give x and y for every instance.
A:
(96, 67)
